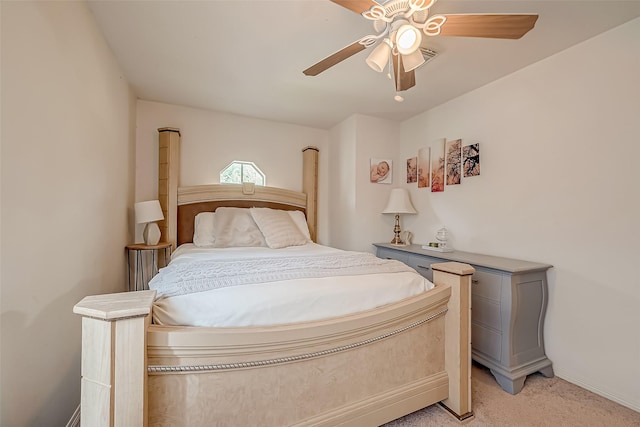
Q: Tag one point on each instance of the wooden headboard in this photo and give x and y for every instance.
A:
(207, 198)
(180, 205)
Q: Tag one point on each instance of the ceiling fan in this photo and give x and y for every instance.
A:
(399, 26)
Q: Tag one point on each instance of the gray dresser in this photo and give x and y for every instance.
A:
(509, 301)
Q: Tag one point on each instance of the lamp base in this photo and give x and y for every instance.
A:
(396, 230)
(151, 234)
(398, 241)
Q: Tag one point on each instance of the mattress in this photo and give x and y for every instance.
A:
(277, 302)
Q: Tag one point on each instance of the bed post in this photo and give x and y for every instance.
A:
(114, 358)
(168, 181)
(310, 188)
(457, 336)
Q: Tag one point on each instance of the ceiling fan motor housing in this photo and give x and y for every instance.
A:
(396, 8)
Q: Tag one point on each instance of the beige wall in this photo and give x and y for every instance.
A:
(342, 188)
(68, 121)
(355, 218)
(211, 140)
(559, 184)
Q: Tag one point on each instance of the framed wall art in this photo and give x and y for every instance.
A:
(424, 157)
(437, 166)
(453, 161)
(381, 171)
(412, 170)
(471, 160)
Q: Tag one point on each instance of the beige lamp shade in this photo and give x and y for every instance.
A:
(399, 203)
(148, 213)
(379, 57)
(412, 61)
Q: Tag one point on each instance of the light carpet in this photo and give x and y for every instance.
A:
(542, 402)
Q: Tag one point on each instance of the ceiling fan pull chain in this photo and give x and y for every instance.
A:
(398, 97)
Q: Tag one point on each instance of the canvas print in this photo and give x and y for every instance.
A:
(471, 160)
(423, 167)
(412, 170)
(453, 161)
(437, 166)
(381, 171)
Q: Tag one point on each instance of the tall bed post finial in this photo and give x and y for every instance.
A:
(310, 188)
(168, 181)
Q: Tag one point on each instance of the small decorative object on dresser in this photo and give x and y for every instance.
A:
(509, 300)
(441, 245)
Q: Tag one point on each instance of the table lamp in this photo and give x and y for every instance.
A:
(148, 213)
(399, 203)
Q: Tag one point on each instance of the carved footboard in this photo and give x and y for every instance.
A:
(364, 369)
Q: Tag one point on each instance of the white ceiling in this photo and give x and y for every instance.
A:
(246, 57)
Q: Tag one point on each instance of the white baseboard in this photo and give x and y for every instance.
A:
(588, 386)
(75, 418)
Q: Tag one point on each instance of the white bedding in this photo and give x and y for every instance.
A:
(284, 301)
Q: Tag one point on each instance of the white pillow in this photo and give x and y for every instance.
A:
(278, 228)
(301, 221)
(203, 230)
(235, 227)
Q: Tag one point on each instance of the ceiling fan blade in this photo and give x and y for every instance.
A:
(505, 26)
(332, 60)
(406, 80)
(357, 6)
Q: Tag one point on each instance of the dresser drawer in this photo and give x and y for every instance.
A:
(486, 312)
(486, 341)
(391, 254)
(422, 264)
(487, 285)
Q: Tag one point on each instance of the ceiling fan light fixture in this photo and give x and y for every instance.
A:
(408, 39)
(413, 60)
(379, 57)
(400, 25)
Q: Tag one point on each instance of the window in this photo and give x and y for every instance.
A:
(238, 172)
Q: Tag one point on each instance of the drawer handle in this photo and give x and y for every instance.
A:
(474, 281)
(422, 266)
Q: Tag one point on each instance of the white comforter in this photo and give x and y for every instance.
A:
(280, 301)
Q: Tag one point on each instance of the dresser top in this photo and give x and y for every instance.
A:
(488, 261)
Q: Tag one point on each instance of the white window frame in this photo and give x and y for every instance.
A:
(243, 164)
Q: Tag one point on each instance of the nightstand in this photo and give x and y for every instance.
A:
(144, 269)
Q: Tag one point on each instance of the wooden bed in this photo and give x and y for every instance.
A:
(362, 369)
